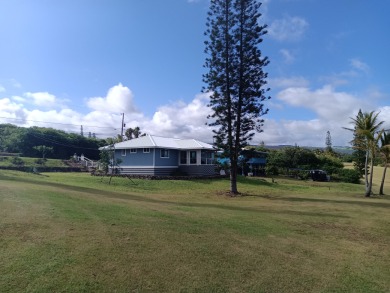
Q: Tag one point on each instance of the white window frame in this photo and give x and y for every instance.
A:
(146, 150)
(133, 151)
(196, 158)
(123, 152)
(161, 153)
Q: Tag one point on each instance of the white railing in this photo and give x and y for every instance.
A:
(85, 161)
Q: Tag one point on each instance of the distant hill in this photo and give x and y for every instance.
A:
(338, 149)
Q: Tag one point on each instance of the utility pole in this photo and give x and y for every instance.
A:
(123, 125)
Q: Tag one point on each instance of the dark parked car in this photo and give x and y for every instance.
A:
(319, 175)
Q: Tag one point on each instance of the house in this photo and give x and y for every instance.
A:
(250, 162)
(155, 155)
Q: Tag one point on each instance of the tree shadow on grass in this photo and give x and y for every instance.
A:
(362, 202)
(139, 198)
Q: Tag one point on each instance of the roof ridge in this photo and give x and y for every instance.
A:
(152, 140)
(199, 144)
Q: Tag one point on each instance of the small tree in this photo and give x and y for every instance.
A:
(366, 137)
(135, 132)
(328, 142)
(108, 160)
(43, 150)
(385, 152)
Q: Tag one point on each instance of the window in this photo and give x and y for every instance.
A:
(146, 150)
(183, 158)
(206, 157)
(123, 152)
(192, 157)
(133, 151)
(164, 153)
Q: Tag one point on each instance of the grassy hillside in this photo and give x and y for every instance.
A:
(31, 162)
(75, 233)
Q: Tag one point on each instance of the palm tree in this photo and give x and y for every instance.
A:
(385, 151)
(366, 137)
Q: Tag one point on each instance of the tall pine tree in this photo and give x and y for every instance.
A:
(235, 78)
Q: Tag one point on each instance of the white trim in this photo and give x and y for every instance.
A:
(123, 154)
(146, 167)
(154, 157)
(152, 140)
(147, 151)
(130, 151)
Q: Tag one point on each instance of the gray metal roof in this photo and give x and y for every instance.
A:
(152, 141)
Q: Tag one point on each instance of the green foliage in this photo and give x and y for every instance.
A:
(329, 163)
(23, 140)
(43, 150)
(295, 159)
(292, 158)
(2, 159)
(367, 134)
(17, 161)
(347, 176)
(105, 159)
(40, 161)
(235, 76)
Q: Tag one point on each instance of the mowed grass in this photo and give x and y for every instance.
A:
(75, 233)
(31, 162)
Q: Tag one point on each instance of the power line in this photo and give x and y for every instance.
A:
(91, 126)
(62, 144)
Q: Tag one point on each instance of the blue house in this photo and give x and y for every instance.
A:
(155, 155)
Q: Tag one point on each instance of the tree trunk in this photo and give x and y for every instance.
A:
(383, 180)
(233, 182)
(233, 176)
(366, 170)
(369, 186)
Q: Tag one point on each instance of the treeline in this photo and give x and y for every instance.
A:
(28, 142)
(296, 162)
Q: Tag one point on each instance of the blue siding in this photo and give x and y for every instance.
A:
(173, 159)
(135, 159)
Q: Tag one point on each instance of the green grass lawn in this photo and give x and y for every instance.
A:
(31, 162)
(75, 233)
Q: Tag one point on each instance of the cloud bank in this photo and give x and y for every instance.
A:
(331, 109)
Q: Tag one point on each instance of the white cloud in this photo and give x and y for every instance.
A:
(295, 81)
(119, 99)
(355, 70)
(288, 29)
(42, 99)
(180, 119)
(332, 110)
(325, 102)
(287, 56)
(359, 65)
(294, 132)
(18, 99)
(384, 115)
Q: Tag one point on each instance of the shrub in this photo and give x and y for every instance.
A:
(17, 161)
(40, 161)
(3, 159)
(271, 170)
(347, 175)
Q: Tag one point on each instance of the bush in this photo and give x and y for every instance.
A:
(17, 161)
(40, 161)
(271, 170)
(347, 175)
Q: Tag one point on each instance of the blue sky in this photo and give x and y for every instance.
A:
(83, 62)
